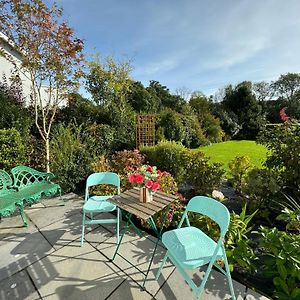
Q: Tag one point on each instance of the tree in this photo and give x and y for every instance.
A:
(141, 100)
(262, 91)
(242, 102)
(164, 97)
(288, 86)
(108, 79)
(109, 83)
(51, 57)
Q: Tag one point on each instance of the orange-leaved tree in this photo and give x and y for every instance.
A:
(51, 57)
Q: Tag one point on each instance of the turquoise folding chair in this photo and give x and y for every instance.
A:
(96, 204)
(189, 248)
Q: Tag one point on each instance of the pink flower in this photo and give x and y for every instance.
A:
(131, 178)
(283, 115)
(139, 178)
(155, 186)
(149, 184)
(149, 169)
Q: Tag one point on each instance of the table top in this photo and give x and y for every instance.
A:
(129, 201)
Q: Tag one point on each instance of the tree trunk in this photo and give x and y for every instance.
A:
(47, 154)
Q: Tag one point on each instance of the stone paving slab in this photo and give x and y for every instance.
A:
(22, 249)
(138, 252)
(130, 290)
(18, 287)
(51, 214)
(216, 287)
(64, 231)
(75, 272)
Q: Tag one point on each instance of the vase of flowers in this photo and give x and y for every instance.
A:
(147, 179)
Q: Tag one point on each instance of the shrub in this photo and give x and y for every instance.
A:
(170, 121)
(71, 158)
(167, 156)
(185, 165)
(124, 162)
(239, 167)
(259, 186)
(201, 174)
(102, 138)
(12, 150)
(283, 141)
(280, 262)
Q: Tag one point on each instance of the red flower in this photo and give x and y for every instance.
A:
(283, 115)
(155, 186)
(139, 178)
(131, 178)
(149, 169)
(149, 184)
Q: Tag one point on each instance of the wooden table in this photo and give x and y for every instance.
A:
(129, 203)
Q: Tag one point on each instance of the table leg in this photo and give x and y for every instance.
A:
(158, 233)
(128, 217)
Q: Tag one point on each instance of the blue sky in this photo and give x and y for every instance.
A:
(198, 44)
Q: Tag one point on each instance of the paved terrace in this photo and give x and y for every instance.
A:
(45, 261)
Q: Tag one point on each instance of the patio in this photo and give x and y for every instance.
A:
(45, 261)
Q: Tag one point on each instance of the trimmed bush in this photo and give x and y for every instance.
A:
(185, 165)
(12, 150)
(167, 156)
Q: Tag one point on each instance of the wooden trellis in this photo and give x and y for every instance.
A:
(145, 130)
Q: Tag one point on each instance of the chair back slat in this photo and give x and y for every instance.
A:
(215, 210)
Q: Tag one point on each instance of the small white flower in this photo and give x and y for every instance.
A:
(218, 195)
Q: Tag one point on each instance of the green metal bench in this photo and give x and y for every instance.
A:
(27, 187)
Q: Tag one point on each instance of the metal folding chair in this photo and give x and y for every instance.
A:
(190, 248)
(96, 204)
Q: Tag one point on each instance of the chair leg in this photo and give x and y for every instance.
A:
(118, 224)
(161, 266)
(228, 276)
(83, 225)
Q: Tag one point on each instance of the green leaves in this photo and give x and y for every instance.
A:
(282, 261)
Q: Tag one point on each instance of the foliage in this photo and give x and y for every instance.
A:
(51, 56)
(71, 157)
(239, 167)
(125, 162)
(209, 123)
(281, 262)
(287, 86)
(12, 150)
(237, 243)
(108, 80)
(185, 165)
(102, 138)
(170, 121)
(12, 110)
(290, 213)
(241, 101)
(259, 187)
(167, 156)
(164, 98)
(283, 143)
(199, 173)
(141, 100)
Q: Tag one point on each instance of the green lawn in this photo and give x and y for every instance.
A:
(227, 151)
